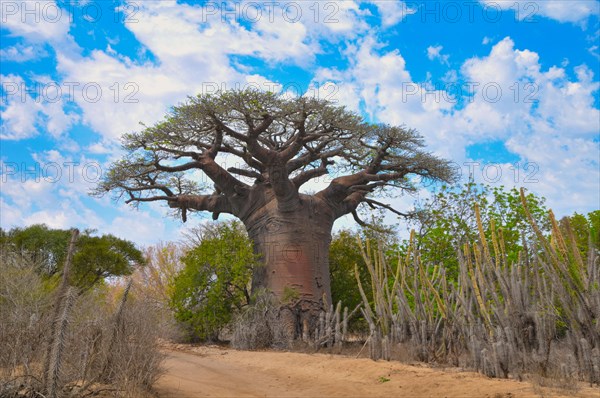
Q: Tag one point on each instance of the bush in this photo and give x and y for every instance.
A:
(214, 282)
(253, 328)
(25, 302)
(103, 345)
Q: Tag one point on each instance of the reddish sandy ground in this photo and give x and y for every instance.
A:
(217, 372)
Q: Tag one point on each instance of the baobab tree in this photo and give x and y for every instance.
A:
(274, 145)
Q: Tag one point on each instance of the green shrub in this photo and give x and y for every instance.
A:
(214, 282)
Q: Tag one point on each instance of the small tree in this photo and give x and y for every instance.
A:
(96, 257)
(163, 262)
(214, 282)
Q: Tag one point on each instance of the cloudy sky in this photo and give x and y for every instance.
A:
(508, 90)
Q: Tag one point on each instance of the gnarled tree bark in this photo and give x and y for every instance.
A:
(294, 246)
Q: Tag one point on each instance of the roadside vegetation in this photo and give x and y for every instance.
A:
(488, 280)
(66, 331)
(529, 307)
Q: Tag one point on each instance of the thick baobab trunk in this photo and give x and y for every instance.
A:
(294, 246)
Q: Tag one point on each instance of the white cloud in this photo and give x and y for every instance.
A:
(58, 122)
(560, 105)
(334, 20)
(285, 33)
(544, 116)
(435, 52)
(52, 218)
(53, 190)
(392, 12)
(140, 226)
(27, 193)
(10, 215)
(18, 120)
(563, 169)
(380, 84)
(23, 115)
(102, 148)
(574, 11)
(193, 47)
(42, 21)
(115, 96)
(50, 183)
(22, 53)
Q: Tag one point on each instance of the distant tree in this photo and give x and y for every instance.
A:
(163, 262)
(446, 221)
(215, 280)
(594, 224)
(96, 258)
(274, 146)
(585, 230)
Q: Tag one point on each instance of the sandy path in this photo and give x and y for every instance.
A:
(217, 372)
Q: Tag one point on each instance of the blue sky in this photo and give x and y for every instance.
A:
(508, 90)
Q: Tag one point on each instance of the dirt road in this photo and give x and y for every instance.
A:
(216, 372)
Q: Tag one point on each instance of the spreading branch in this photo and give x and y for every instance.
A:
(284, 144)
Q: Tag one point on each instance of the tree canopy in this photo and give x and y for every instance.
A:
(214, 281)
(275, 145)
(446, 221)
(96, 258)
